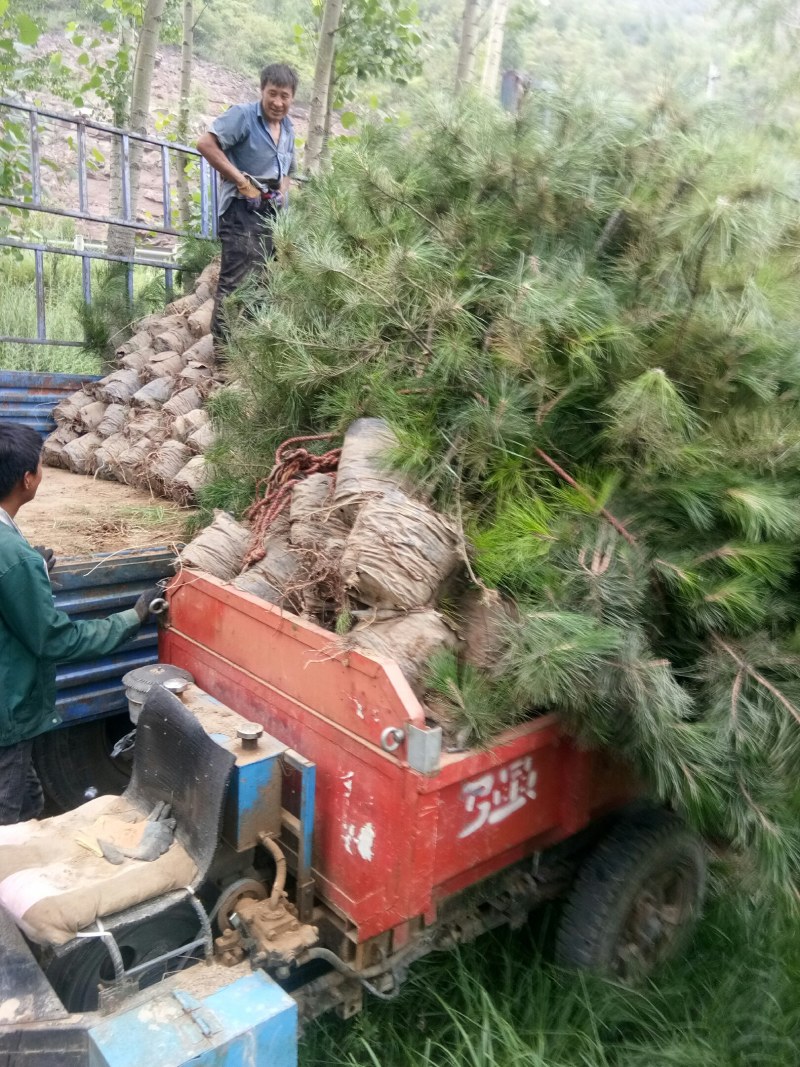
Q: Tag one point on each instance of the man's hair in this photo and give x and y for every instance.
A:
(20, 449)
(280, 74)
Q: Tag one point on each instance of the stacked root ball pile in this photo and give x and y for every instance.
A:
(582, 328)
(338, 538)
(145, 424)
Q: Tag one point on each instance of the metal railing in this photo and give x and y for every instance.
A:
(128, 220)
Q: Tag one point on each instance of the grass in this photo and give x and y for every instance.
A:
(62, 276)
(732, 1001)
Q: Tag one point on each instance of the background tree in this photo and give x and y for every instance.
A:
(468, 43)
(321, 88)
(122, 240)
(494, 45)
(184, 110)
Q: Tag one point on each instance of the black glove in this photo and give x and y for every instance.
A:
(47, 554)
(142, 605)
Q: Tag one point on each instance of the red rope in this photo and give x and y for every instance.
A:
(274, 492)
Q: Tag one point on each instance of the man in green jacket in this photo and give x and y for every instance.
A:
(34, 635)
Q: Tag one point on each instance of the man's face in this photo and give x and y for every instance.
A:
(276, 101)
(30, 482)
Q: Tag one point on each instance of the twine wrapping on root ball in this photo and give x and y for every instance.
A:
(274, 492)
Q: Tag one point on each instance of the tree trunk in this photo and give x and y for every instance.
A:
(328, 113)
(184, 199)
(494, 46)
(469, 44)
(326, 51)
(121, 240)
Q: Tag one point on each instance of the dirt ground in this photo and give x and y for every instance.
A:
(76, 515)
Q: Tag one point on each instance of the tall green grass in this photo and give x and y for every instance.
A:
(732, 1001)
(62, 277)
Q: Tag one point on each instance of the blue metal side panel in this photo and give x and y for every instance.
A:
(249, 1023)
(88, 587)
(29, 398)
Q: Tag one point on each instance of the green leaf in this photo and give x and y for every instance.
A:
(3, 7)
(28, 30)
(78, 39)
(83, 59)
(107, 25)
(348, 119)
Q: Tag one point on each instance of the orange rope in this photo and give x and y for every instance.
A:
(274, 492)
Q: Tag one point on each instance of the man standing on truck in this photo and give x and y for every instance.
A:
(251, 146)
(34, 635)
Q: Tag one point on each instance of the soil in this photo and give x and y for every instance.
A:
(77, 515)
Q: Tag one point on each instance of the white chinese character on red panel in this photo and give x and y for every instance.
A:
(495, 796)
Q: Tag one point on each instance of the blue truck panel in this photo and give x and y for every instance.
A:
(249, 1023)
(93, 587)
(29, 398)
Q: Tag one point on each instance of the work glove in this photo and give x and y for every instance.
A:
(157, 837)
(142, 605)
(47, 554)
(252, 195)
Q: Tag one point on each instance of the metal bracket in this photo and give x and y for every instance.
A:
(424, 748)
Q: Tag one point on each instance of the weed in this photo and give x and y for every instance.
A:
(729, 1002)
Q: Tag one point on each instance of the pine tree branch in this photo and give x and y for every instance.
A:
(757, 677)
(618, 526)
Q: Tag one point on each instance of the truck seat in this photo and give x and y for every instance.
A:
(55, 887)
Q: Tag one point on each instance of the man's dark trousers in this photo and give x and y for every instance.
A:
(21, 795)
(246, 238)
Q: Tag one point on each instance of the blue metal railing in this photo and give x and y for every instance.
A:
(36, 203)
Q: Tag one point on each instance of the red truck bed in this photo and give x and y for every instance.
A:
(390, 842)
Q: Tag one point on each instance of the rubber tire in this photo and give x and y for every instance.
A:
(75, 977)
(608, 883)
(75, 760)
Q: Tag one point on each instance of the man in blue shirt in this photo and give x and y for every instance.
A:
(249, 141)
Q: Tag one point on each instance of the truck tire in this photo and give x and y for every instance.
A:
(75, 764)
(76, 976)
(635, 898)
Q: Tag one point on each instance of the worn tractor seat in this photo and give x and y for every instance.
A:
(53, 886)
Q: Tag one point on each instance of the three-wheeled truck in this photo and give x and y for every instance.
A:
(323, 842)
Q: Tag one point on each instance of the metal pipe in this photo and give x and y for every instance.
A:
(280, 867)
(83, 187)
(41, 324)
(38, 341)
(204, 169)
(345, 969)
(92, 125)
(165, 193)
(32, 246)
(107, 220)
(36, 173)
(126, 177)
(86, 277)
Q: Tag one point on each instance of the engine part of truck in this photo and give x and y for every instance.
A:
(271, 934)
(141, 680)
